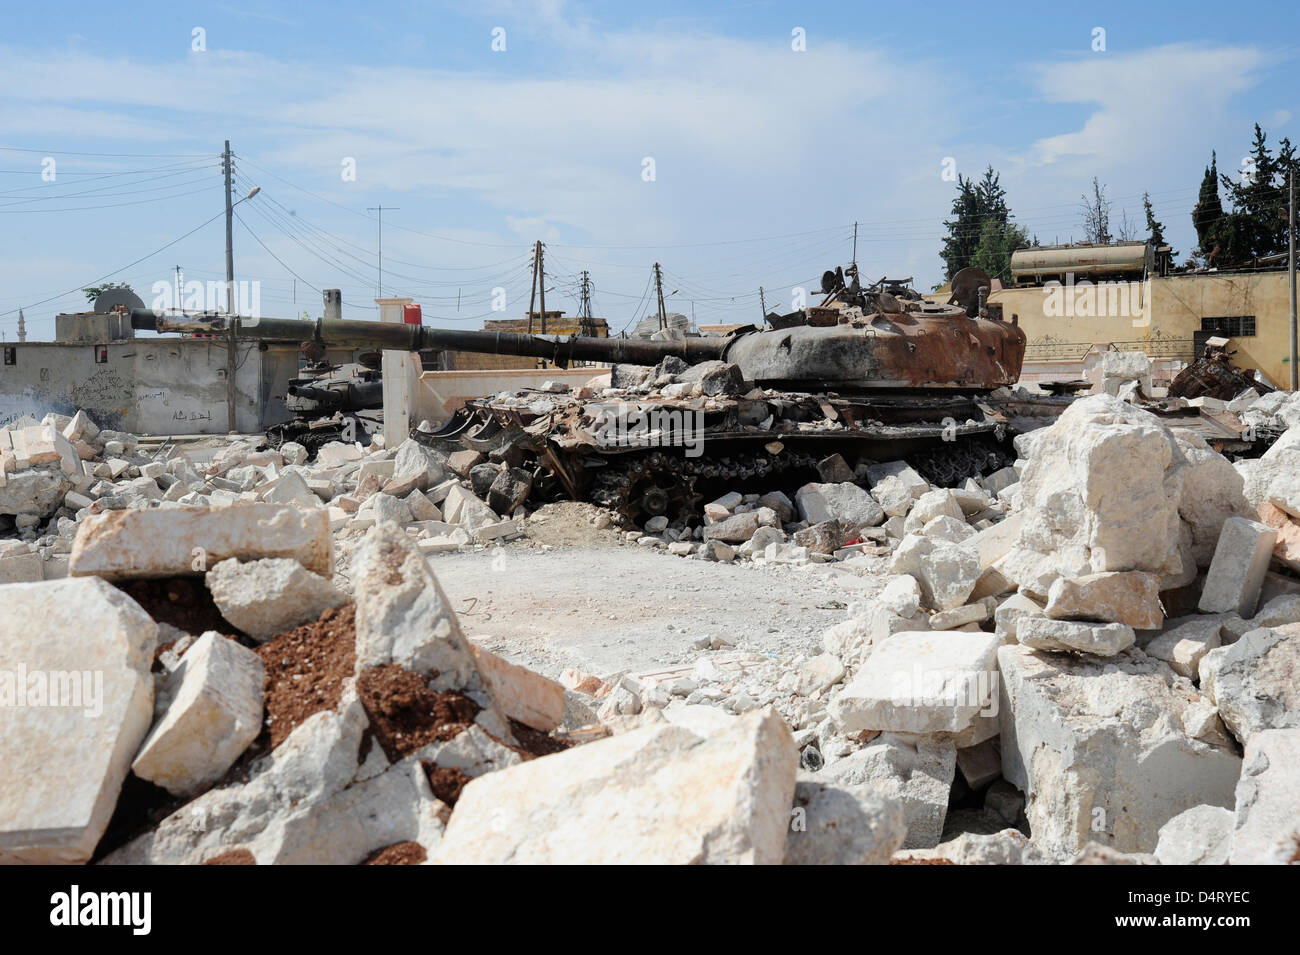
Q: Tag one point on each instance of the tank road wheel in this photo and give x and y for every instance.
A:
(948, 464)
(653, 485)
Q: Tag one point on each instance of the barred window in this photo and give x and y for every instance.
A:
(1231, 326)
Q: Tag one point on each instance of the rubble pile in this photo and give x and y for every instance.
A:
(1078, 648)
(1088, 656)
(57, 473)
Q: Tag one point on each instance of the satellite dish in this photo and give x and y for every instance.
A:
(112, 298)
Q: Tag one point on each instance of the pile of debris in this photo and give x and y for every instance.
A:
(307, 726)
(1077, 650)
(57, 473)
(836, 519)
(1088, 656)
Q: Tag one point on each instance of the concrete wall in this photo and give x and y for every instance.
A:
(1160, 317)
(150, 386)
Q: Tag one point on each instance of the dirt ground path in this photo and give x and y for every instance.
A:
(606, 609)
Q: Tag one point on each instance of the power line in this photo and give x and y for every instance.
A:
(109, 275)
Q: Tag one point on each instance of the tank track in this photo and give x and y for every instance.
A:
(644, 484)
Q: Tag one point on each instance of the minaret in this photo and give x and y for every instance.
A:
(22, 327)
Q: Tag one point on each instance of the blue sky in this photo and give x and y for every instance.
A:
(763, 156)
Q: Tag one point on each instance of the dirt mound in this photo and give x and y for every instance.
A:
(405, 714)
(572, 524)
(305, 669)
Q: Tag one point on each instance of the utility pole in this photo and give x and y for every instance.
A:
(855, 244)
(227, 166)
(1291, 228)
(180, 287)
(541, 282)
(762, 303)
(585, 324)
(380, 209)
(659, 291)
(532, 296)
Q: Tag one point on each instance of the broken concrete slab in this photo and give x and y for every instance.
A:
(122, 545)
(914, 771)
(211, 711)
(1063, 636)
(1183, 646)
(404, 617)
(1267, 828)
(1212, 492)
(1128, 597)
(927, 682)
(837, 502)
(842, 824)
(305, 803)
(1101, 492)
(1236, 574)
(266, 597)
(1201, 835)
(1011, 611)
(1108, 750)
(946, 572)
(415, 467)
(463, 508)
(1253, 681)
(736, 529)
(77, 696)
(522, 694)
(657, 795)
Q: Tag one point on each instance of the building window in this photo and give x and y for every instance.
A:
(11, 355)
(1232, 326)
(101, 354)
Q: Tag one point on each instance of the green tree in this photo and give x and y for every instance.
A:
(975, 204)
(1155, 229)
(1256, 224)
(997, 242)
(1207, 215)
(95, 291)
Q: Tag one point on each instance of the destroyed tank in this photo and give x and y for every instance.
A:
(870, 374)
(331, 403)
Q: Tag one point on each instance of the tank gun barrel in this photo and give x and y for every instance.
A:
(400, 337)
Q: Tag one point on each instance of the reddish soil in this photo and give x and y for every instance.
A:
(447, 782)
(405, 714)
(232, 857)
(183, 602)
(399, 853)
(305, 669)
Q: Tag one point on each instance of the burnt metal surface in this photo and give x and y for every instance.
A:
(1213, 375)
